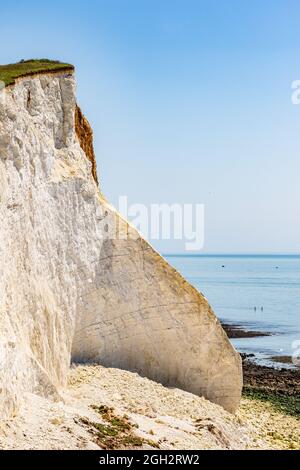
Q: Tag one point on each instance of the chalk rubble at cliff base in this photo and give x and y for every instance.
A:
(161, 418)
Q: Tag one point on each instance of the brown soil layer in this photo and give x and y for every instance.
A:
(85, 135)
(234, 331)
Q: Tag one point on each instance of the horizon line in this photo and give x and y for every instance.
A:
(228, 254)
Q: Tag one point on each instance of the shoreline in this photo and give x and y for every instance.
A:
(283, 360)
(236, 331)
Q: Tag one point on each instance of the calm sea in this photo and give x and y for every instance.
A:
(260, 292)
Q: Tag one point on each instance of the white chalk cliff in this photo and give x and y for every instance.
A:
(79, 283)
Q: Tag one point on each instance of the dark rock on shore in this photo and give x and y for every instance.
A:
(269, 379)
(234, 331)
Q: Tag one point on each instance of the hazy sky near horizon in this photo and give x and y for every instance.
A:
(190, 102)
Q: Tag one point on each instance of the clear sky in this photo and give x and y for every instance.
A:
(190, 102)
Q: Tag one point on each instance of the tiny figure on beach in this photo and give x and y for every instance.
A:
(262, 309)
(255, 309)
(223, 266)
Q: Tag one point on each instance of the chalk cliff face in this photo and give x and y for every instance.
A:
(77, 282)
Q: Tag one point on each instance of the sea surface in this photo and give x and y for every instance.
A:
(257, 292)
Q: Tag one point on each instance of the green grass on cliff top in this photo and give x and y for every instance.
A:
(9, 73)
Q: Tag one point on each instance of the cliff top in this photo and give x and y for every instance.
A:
(9, 73)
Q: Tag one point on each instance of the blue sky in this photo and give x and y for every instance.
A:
(190, 102)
